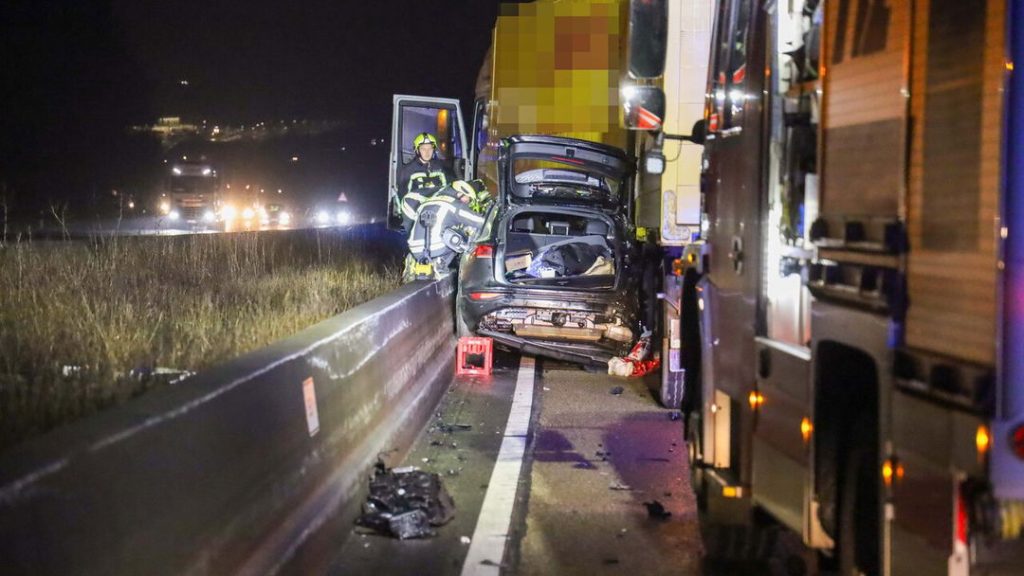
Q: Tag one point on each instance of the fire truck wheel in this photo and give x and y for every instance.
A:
(858, 515)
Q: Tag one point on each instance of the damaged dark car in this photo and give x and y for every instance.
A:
(549, 272)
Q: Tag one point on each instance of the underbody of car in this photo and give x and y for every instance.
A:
(549, 272)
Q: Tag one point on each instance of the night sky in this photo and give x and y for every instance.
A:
(76, 73)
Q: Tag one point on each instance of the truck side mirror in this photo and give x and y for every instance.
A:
(699, 132)
(648, 38)
(643, 107)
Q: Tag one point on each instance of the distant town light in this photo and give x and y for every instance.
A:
(176, 170)
(295, 158)
(184, 82)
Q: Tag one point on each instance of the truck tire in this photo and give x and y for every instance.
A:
(694, 451)
(858, 513)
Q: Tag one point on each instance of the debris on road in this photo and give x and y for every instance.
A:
(620, 487)
(465, 540)
(616, 391)
(635, 363)
(406, 503)
(447, 428)
(656, 510)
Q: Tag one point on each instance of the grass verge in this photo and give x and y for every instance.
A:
(88, 325)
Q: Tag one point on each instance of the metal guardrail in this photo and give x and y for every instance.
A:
(240, 469)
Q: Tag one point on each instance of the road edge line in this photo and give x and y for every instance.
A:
(487, 548)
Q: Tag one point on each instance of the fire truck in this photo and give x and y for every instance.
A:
(860, 302)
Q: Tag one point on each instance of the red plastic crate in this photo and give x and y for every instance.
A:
(474, 346)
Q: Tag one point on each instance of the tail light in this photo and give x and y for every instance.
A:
(483, 251)
(1017, 438)
(961, 519)
(483, 295)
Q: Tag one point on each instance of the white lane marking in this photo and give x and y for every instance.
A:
(492, 527)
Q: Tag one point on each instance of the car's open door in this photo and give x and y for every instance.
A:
(441, 117)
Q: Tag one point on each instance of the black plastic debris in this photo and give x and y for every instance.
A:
(673, 415)
(616, 391)
(446, 428)
(406, 503)
(656, 510)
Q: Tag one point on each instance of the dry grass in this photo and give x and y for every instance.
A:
(83, 325)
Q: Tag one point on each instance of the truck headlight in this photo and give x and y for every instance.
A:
(228, 212)
(209, 216)
(322, 217)
(284, 218)
(173, 215)
(165, 207)
(343, 217)
(248, 213)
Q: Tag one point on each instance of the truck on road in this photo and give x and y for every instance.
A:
(191, 192)
(860, 291)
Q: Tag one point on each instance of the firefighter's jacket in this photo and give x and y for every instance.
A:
(449, 207)
(417, 174)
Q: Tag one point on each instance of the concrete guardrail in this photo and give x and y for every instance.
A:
(251, 467)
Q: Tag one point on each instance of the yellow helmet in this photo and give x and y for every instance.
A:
(424, 138)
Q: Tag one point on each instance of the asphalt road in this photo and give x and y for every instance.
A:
(574, 504)
(145, 226)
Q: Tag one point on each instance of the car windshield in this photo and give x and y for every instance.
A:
(547, 179)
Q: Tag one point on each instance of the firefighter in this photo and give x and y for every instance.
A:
(423, 175)
(444, 224)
